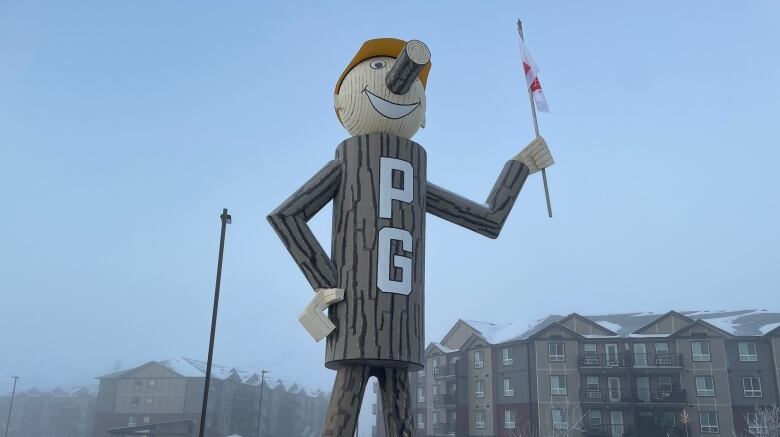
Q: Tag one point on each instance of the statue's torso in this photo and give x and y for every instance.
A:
(378, 247)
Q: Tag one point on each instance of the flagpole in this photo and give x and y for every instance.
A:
(536, 129)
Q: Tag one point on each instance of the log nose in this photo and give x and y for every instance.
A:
(411, 61)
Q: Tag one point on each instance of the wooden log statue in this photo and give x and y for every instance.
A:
(373, 281)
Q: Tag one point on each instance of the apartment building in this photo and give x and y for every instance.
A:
(678, 374)
(60, 412)
(167, 395)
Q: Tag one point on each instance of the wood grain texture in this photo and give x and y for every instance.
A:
(396, 401)
(486, 219)
(374, 327)
(345, 400)
(289, 222)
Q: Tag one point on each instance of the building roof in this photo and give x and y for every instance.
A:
(738, 323)
(64, 391)
(191, 368)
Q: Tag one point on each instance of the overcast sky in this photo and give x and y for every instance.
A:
(126, 126)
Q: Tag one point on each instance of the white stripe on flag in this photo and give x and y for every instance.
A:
(532, 78)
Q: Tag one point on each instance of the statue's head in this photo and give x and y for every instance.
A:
(383, 88)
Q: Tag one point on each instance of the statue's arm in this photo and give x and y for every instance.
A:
(289, 222)
(488, 218)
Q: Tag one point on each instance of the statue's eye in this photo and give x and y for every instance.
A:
(377, 65)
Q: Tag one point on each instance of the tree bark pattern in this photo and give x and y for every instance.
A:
(486, 219)
(289, 222)
(372, 326)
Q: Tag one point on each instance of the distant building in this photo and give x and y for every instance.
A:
(686, 374)
(170, 393)
(62, 412)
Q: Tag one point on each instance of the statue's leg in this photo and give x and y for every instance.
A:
(345, 401)
(396, 401)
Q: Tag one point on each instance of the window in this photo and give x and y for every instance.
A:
(149, 401)
(435, 417)
(373, 408)
(479, 419)
(135, 401)
(479, 389)
(705, 386)
(709, 421)
(152, 383)
(558, 385)
(139, 384)
(662, 355)
(560, 419)
(701, 350)
(421, 373)
(509, 419)
(147, 419)
(506, 354)
(666, 419)
(435, 389)
(509, 387)
(420, 393)
(131, 421)
(590, 353)
(420, 420)
(756, 426)
(556, 351)
(594, 418)
(751, 386)
(479, 359)
(592, 383)
(665, 384)
(747, 351)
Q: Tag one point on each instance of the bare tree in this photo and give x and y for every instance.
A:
(764, 421)
(562, 420)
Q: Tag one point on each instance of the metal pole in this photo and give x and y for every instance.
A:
(536, 129)
(10, 407)
(260, 404)
(225, 218)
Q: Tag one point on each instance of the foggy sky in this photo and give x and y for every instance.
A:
(125, 128)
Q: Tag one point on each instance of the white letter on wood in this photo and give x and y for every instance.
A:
(387, 193)
(385, 284)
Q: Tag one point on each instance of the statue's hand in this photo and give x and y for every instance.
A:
(536, 155)
(316, 323)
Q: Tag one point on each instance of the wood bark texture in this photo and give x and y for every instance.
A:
(373, 326)
(347, 398)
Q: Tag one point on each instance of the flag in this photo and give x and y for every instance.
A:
(532, 78)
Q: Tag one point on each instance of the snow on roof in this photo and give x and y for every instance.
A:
(766, 329)
(191, 368)
(62, 391)
(444, 348)
(737, 323)
(495, 333)
(612, 326)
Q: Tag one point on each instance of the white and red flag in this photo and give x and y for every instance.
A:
(532, 78)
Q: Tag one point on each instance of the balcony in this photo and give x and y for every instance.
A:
(656, 361)
(661, 396)
(606, 430)
(443, 400)
(662, 431)
(606, 361)
(441, 372)
(600, 396)
(631, 360)
(633, 396)
(444, 428)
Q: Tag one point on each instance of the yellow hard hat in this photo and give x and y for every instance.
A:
(379, 47)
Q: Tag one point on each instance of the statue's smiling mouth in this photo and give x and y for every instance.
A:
(389, 109)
